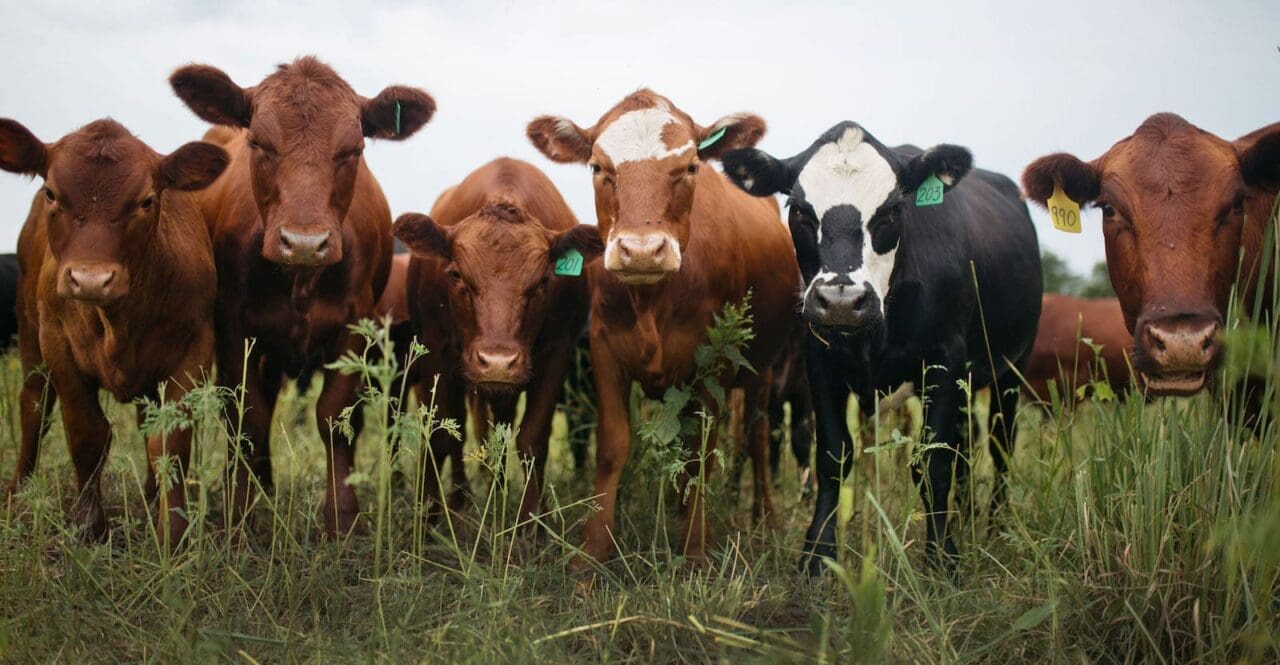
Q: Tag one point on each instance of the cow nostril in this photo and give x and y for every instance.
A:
(72, 281)
(111, 276)
(659, 253)
(820, 300)
(323, 246)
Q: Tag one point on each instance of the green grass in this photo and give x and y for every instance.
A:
(1136, 533)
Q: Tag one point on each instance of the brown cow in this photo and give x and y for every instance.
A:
(1178, 206)
(116, 294)
(682, 242)
(302, 236)
(1061, 357)
(484, 299)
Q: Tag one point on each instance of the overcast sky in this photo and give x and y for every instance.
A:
(1009, 80)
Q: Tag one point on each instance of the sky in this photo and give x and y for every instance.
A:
(1009, 80)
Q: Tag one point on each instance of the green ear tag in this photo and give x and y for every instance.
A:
(711, 140)
(570, 264)
(397, 117)
(929, 193)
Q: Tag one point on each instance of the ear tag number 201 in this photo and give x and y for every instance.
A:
(929, 193)
(569, 264)
(1064, 211)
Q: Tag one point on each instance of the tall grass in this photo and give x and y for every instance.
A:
(1136, 532)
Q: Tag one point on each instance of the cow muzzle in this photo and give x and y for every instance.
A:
(97, 283)
(497, 369)
(840, 303)
(1179, 352)
(303, 246)
(646, 258)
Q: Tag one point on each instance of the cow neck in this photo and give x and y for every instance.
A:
(303, 287)
(151, 282)
(645, 302)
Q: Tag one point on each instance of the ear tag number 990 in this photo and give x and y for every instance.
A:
(1064, 211)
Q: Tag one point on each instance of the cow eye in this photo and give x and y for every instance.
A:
(48, 195)
(693, 169)
(455, 275)
(595, 169)
(146, 204)
(1107, 210)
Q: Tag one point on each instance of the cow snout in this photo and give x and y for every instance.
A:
(1181, 351)
(94, 283)
(841, 303)
(498, 367)
(642, 258)
(304, 248)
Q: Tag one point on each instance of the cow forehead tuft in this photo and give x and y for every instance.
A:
(847, 171)
(639, 135)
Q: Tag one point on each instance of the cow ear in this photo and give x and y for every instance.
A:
(193, 166)
(422, 235)
(559, 139)
(396, 113)
(757, 172)
(1260, 157)
(732, 132)
(20, 151)
(584, 237)
(212, 95)
(1079, 180)
(949, 162)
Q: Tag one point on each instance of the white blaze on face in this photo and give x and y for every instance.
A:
(850, 171)
(637, 135)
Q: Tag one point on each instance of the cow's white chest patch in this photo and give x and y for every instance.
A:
(637, 135)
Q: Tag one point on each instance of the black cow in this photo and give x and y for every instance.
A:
(890, 297)
(8, 299)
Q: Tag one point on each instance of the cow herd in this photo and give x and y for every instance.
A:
(254, 250)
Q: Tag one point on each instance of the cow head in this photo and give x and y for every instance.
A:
(847, 194)
(101, 200)
(306, 135)
(499, 264)
(645, 157)
(1173, 200)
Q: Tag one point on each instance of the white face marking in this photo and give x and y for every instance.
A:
(637, 135)
(851, 172)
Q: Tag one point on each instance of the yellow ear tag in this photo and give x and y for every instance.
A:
(1064, 211)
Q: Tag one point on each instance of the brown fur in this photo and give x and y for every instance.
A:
(1179, 206)
(297, 166)
(110, 203)
(1060, 356)
(731, 244)
(481, 280)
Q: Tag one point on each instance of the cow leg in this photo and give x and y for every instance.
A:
(340, 507)
(1003, 429)
(532, 441)
(935, 472)
(777, 425)
(88, 440)
(835, 456)
(35, 404)
(802, 431)
(963, 491)
(756, 416)
(613, 447)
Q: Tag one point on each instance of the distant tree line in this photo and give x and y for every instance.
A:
(1059, 278)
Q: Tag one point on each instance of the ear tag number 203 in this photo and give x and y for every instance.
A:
(930, 192)
(1064, 211)
(569, 264)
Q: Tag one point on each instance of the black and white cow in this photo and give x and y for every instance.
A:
(890, 297)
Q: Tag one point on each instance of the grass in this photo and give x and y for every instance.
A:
(1137, 532)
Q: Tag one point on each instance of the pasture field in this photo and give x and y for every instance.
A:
(1137, 533)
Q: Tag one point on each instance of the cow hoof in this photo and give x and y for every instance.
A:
(813, 562)
(343, 524)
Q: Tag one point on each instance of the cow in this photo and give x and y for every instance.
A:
(790, 385)
(680, 244)
(302, 239)
(1184, 216)
(9, 276)
(1063, 354)
(496, 315)
(945, 294)
(116, 294)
